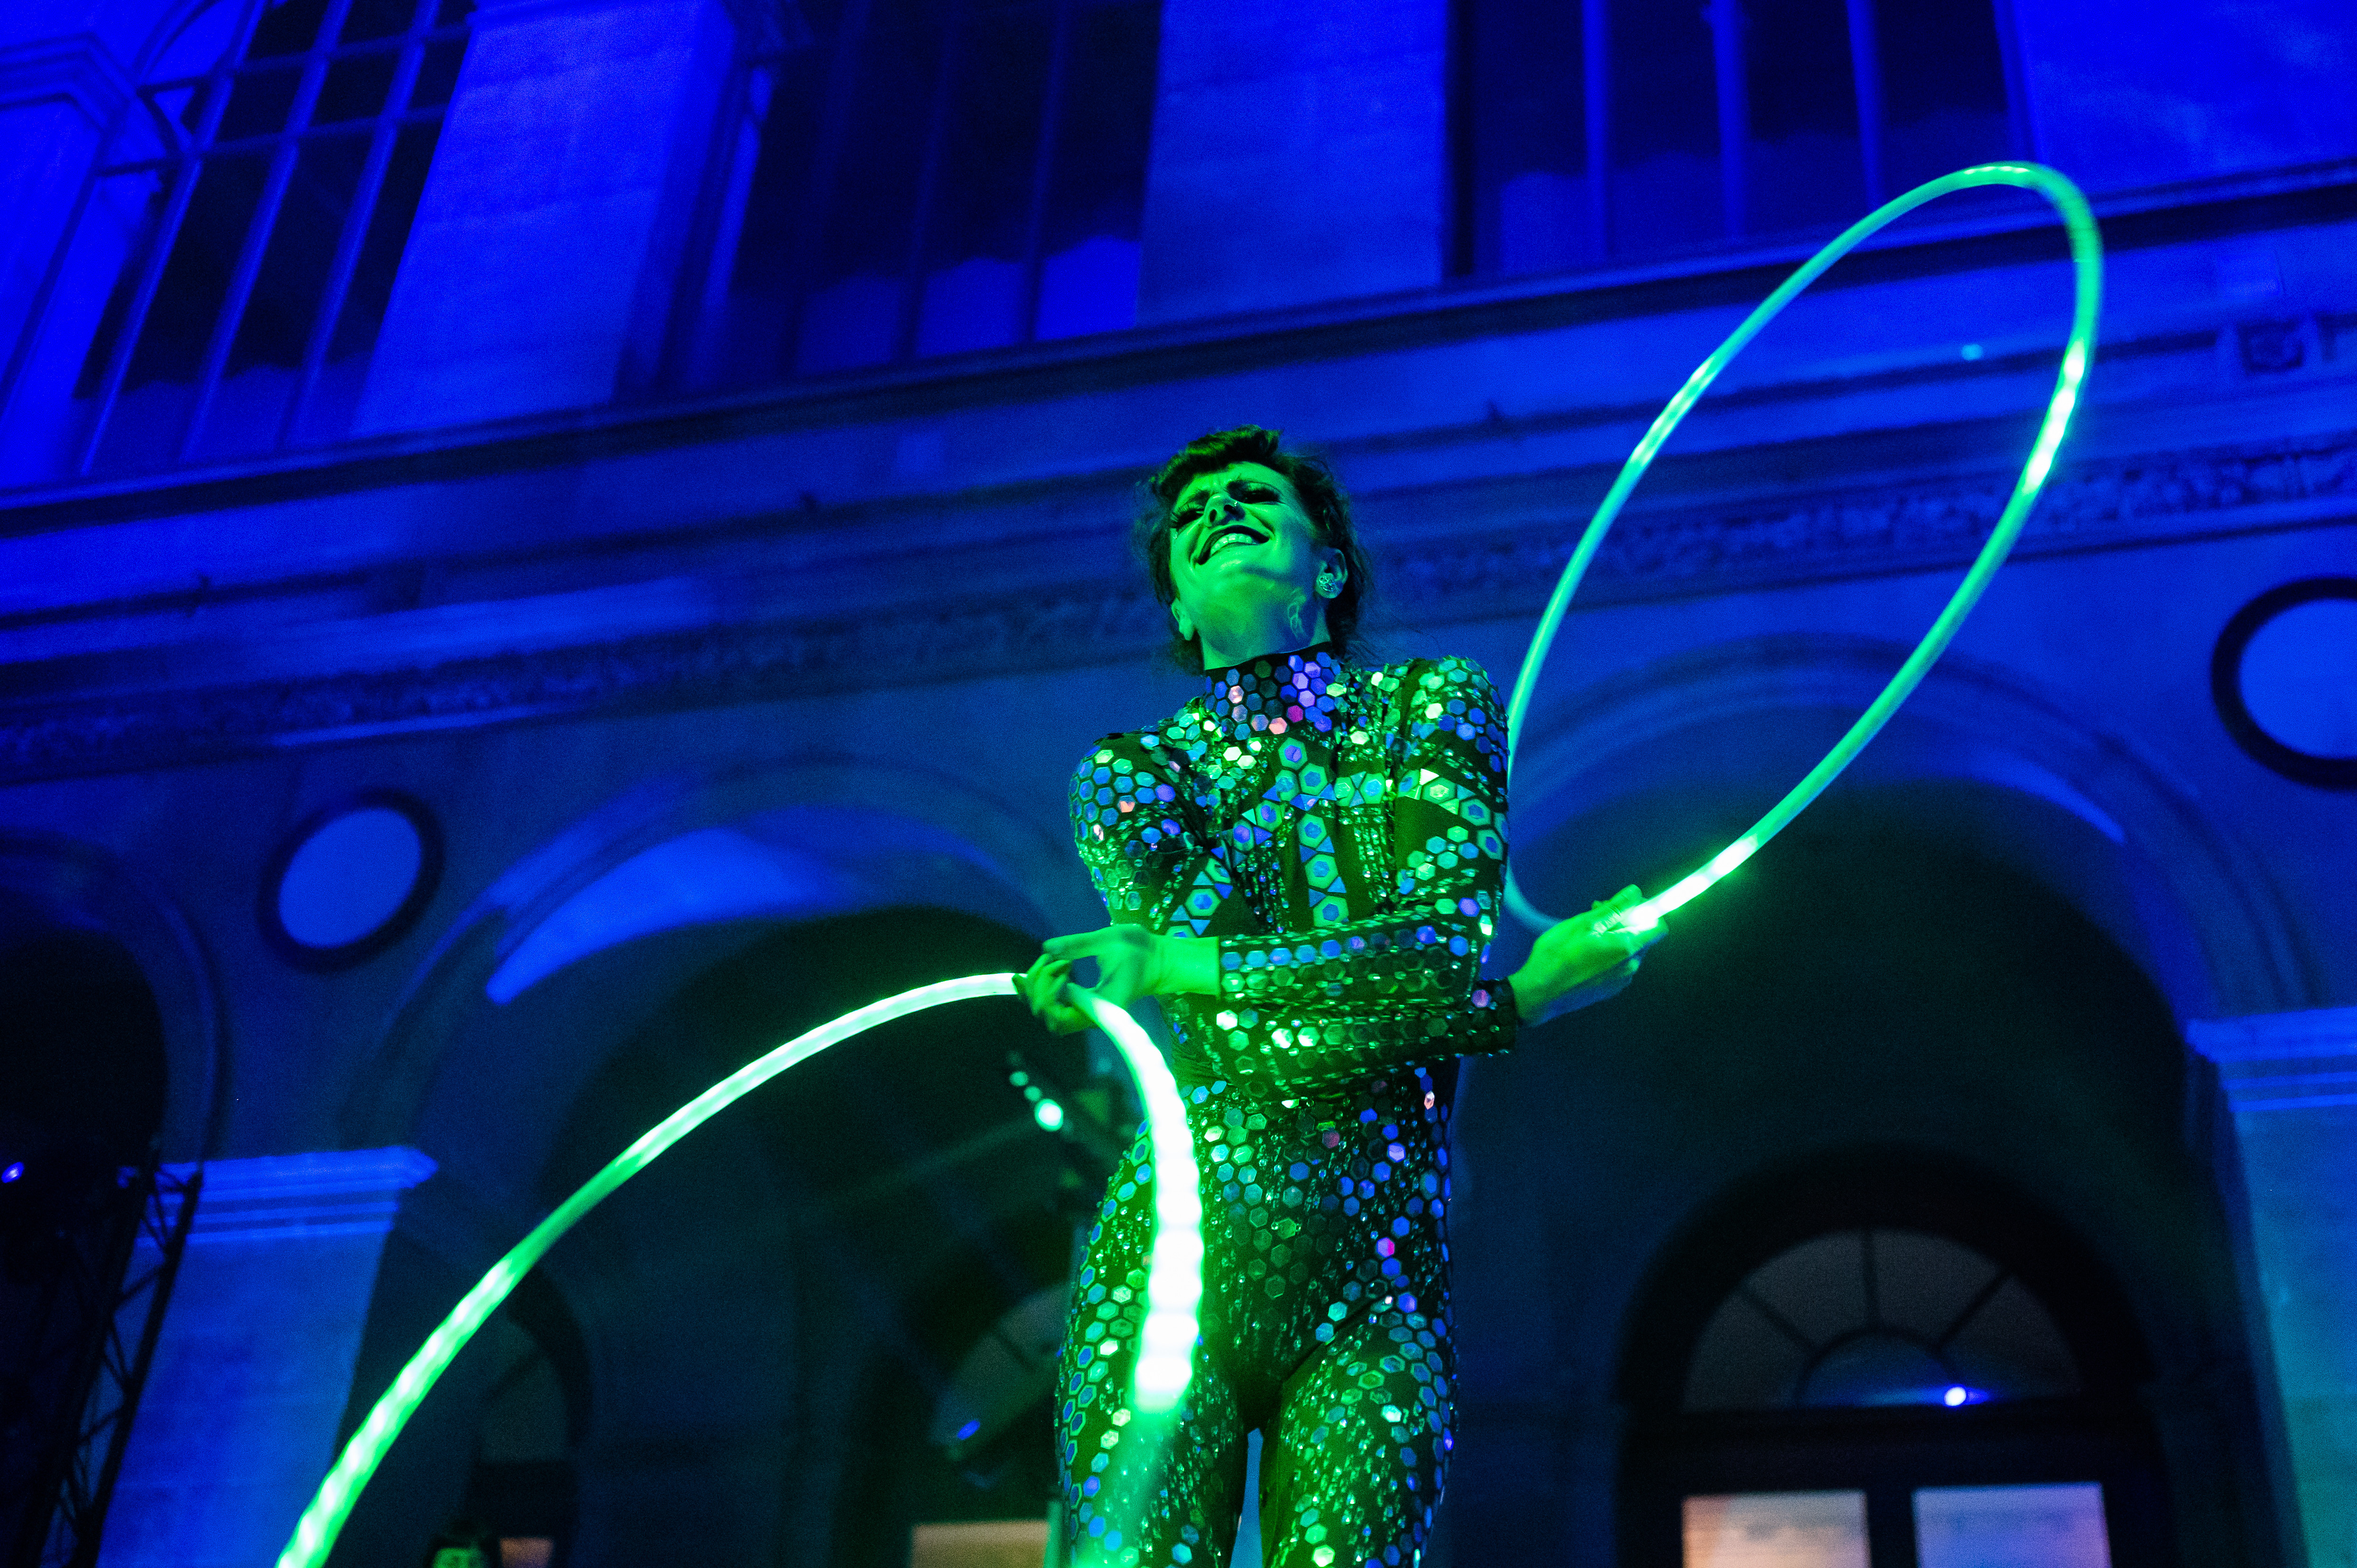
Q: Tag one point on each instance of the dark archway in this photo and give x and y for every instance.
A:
(765, 1314)
(83, 1088)
(910, 1184)
(1867, 1028)
(2063, 1412)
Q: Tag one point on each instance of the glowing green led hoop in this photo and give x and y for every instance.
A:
(1174, 1289)
(1174, 1278)
(2087, 262)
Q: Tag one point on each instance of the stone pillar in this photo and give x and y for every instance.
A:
(1300, 154)
(539, 272)
(237, 1424)
(2291, 1083)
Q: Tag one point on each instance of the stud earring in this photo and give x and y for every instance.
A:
(1329, 586)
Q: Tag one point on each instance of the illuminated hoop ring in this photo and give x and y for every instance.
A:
(1174, 1290)
(1174, 1287)
(2087, 262)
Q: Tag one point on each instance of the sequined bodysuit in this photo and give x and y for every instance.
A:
(1340, 831)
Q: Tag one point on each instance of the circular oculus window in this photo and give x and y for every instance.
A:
(352, 881)
(2284, 678)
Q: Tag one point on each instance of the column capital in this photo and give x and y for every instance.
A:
(2282, 1062)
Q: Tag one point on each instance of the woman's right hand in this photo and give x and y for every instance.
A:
(1047, 985)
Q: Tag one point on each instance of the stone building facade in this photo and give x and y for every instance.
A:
(688, 703)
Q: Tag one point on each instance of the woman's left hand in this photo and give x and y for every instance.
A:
(1581, 961)
(1131, 962)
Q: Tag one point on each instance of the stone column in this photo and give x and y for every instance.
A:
(1300, 154)
(539, 272)
(237, 1424)
(2291, 1083)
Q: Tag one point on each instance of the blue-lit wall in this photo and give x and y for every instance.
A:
(673, 673)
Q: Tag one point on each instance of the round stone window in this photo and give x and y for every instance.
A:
(352, 881)
(2285, 680)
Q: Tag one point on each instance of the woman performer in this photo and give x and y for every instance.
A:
(1304, 865)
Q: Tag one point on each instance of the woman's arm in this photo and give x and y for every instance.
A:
(1406, 984)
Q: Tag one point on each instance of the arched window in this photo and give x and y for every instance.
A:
(1596, 131)
(1872, 1317)
(915, 177)
(1885, 1391)
(236, 248)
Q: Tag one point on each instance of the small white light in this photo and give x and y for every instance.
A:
(1048, 1114)
(1955, 1397)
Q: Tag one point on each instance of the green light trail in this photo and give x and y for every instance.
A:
(2087, 263)
(1174, 1289)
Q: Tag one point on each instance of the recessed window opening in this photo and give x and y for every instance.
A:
(1603, 131)
(252, 209)
(1878, 1317)
(911, 178)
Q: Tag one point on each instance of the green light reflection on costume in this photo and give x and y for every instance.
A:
(2087, 263)
(1172, 1296)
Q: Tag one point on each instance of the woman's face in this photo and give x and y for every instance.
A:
(1242, 547)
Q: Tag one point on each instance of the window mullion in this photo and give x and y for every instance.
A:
(928, 178)
(826, 167)
(1043, 167)
(1734, 119)
(1865, 73)
(257, 233)
(1981, 1298)
(381, 142)
(160, 242)
(1595, 102)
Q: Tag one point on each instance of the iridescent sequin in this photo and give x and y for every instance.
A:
(1342, 833)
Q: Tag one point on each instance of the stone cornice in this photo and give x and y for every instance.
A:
(2283, 1061)
(279, 1197)
(1497, 572)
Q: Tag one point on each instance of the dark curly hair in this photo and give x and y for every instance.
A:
(1321, 496)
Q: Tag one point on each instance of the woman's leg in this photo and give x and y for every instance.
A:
(1149, 1491)
(1354, 1468)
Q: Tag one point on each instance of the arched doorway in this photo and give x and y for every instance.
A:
(772, 1316)
(915, 1198)
(81, 1103)
(1912, 1367)
(1878, 1046)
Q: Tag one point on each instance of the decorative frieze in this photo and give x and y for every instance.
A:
(1674, 552)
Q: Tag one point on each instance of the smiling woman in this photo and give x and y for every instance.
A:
(1242, 485)
(1305, 863)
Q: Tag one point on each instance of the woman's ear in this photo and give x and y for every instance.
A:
(1332, 574)
(1183, 621)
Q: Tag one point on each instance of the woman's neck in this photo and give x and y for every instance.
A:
(1296, 627)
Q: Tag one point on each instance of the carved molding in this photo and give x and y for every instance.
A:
(79, 70)
(1649, 556)
(2283, 1061)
